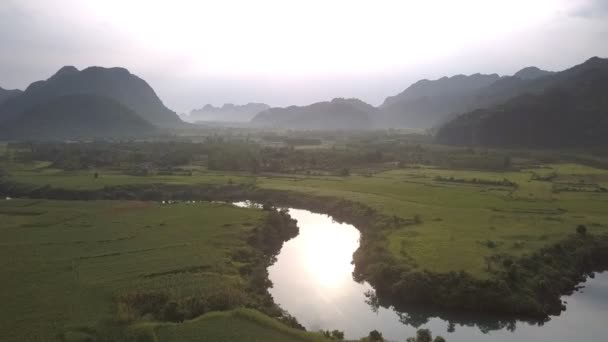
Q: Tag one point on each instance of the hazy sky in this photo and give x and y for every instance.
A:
(286, 52)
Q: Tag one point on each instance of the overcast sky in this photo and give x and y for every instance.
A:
(286, 52)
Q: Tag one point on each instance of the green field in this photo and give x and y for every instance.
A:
(238, 325)
(65, 263)
(459, 219)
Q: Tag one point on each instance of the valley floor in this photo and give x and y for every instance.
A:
(65, 266)
(464, 216)
(75, 258)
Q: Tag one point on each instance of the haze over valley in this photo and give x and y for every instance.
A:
(458, 109)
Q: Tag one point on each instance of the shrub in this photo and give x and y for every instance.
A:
(135, 305)
(334, 334)
(337, 335)
(424, 335)
(375, 336)
(581, 230)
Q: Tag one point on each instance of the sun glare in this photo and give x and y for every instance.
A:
(329, 262)
(326, 251)
(313, 37)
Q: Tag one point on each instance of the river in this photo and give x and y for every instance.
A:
(313, 281)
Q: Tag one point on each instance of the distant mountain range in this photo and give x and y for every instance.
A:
(227, 113)
(563, 109)
(6, 94)
(77, 116)
(425, 102)
(533, 107)
(337, 114)
(423, 105)
(531, 73)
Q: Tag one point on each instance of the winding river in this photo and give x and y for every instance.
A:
(312, 280)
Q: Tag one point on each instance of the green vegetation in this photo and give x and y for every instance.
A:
(238, 325)
(74, 268)
(424, 335)
(512, 208)
(482, 230)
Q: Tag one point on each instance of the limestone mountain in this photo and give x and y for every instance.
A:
(337, 114)
(115, 83)
(427, 102)
(6, 94)
(565, 109)
(228, 112)
(531, 73)
(76, 117)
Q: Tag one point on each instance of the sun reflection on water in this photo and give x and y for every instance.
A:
(324, 250)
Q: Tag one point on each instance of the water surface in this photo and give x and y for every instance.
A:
(313, 281)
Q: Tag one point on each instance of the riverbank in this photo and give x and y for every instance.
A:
(95, 270)
(527, 286)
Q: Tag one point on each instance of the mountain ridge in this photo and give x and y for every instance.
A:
(6, 94)
(115, 83)
(426, 102)
(564, 109)
(337, 114)
(77, 116)
(228, 112)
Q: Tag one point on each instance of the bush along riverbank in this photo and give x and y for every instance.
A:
(528, 287)
(266, 238)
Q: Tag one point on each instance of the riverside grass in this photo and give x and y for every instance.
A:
(65, 262)
(461, 223)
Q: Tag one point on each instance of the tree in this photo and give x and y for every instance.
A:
(344, 172)
(255, 165)
(424, 335)
(267, 206)
(581, 230)
(337, 334)
(334, 334)
(375, 336)
(507, 162)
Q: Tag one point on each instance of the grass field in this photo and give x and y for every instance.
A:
(237, 325)
(462, 222)
(88, 252)
(64, 263)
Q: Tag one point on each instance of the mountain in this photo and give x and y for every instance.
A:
(527, 80)
(79, 116)
(6, 94)
(564, 109)
(228, 112)
(531, 73)
(115, 83)
(426, 102)
(338, 114)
